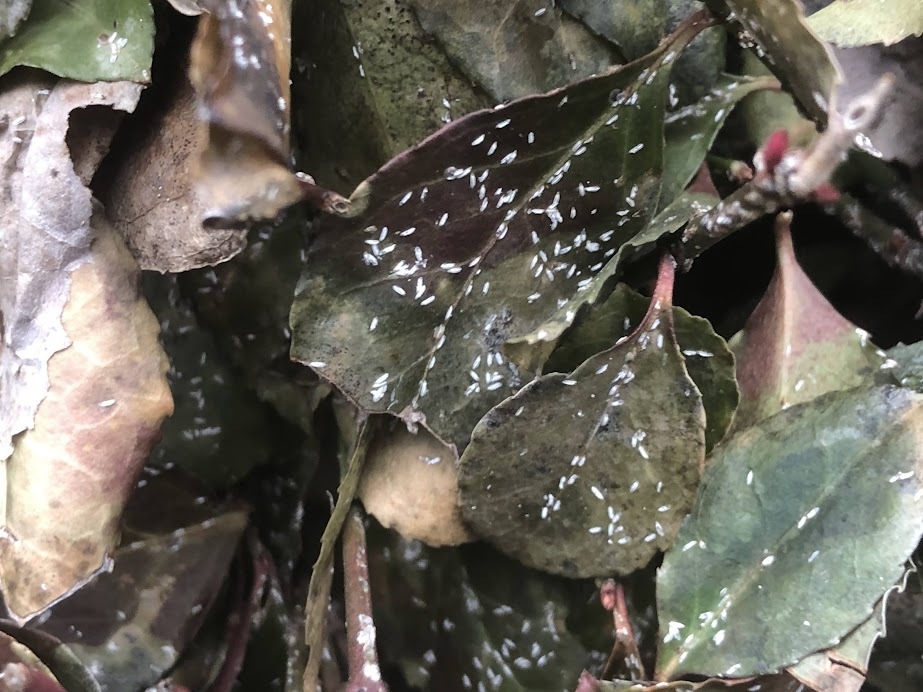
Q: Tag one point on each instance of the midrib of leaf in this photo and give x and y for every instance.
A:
(751, 574)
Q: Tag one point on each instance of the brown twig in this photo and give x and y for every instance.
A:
(625, 647)
(785, 177)
(362, 659)
(240, 621)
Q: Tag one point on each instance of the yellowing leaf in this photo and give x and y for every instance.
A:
(851, 23)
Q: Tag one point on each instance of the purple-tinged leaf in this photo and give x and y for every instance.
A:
(795, 345)
(478, 234)
(591, 473)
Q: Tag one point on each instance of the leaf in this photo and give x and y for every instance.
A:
(90, 40)
(795, 345)
(804, 64)
(688, 133)
(397, 305)
(403, 465)
(151, 195)
(825, 499)
(863, 22)
(906, 361)
(514, 49)
(239, 67)
(83, 389)
(591, 473)
(219, 430)
(130, 622)
(461, 618)
(691, 131)
(532, 350)
(58, 658)
(637, 26)
(360, 68)
(707, 357)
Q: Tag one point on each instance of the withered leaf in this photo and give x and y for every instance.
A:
(240, 63)
(398, 305)
(151, 196)
(82, 371)
(591, 473)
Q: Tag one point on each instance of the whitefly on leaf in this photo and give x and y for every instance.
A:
(590, 473)
(478, 234)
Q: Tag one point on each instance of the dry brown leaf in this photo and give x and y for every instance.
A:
(82, 375)
(151, 196)
(69, 477)
(239, 67)
(410, 484)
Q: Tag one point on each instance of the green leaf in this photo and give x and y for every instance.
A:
(370, 84)
(803, 63)
(476, 235)
(470, 618)
(513, 49)
(591, 473)
(795, 345)
(906, 361)
(691, 131)
(708, 358)
(531, 350)
(852, 23)
(817, 506)
(89, 40)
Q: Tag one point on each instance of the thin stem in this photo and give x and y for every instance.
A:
(612, 596)
(322, 573)
(896, 247)
(785, 177)
(362, 658)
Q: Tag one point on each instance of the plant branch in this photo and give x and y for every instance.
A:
(892, 244)
(785, 177)
(362, 658)
(322, 573)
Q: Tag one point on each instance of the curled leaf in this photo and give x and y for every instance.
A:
(591, 473)
(240, 62)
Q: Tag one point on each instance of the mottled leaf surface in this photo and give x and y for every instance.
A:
(795, 345)
(130, 622)
(688, 134)
(906, 361)
(708, 358)
(531, 350)
(850, 23)
(691, 130)
(90, 40)
(591, 473)
(399, 305)
(513, 48)
(459, 618)
(371, 83)
(635, 26)
(803, 63)
(825, 499)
